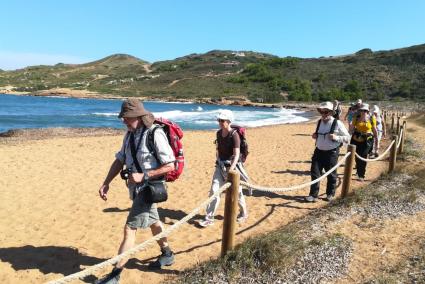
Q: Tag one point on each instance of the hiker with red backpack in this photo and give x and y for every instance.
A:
(329, 135)
(231, 152)
(149, 160)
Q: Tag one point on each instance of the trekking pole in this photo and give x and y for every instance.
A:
(230, 209)
(393, 155)
(348, 171)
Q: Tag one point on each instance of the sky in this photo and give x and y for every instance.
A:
(37, 32)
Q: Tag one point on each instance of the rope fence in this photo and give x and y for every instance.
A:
(295, 187)
(231, 195)
(92, 269)
(381, 157)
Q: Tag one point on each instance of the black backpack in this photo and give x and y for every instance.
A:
(331, 131)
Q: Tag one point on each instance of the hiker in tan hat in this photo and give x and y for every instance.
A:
(329, 135)
(145, 169)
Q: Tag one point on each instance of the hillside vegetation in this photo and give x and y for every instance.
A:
(395, 75)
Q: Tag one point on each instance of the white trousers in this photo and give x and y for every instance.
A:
(217, 182)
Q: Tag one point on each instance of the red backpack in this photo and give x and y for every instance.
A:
(244, 143)
(174, 135)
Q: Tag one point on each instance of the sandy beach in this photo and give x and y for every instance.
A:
(53, 222)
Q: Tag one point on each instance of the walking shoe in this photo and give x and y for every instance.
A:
(310, 198)
(165, 259)
(205, 223)
(329, 197)
(241, 218)
(111, 278)
(249, 191)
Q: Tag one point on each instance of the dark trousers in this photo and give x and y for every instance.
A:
(324, 160)
(362, 149)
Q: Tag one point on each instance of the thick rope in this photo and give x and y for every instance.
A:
(285, 189)
(377, 158)
(92, 269)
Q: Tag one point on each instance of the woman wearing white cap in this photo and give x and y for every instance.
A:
(364, 137)
(228, 159)
(380, 127)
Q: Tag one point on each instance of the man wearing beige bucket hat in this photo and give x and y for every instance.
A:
(138, 172)
(330, 133)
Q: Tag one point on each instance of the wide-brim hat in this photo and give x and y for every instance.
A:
(326, 105)
(134, 108)
(375, 109)
(364, 107)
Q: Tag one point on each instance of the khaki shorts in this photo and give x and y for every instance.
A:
(142, 214)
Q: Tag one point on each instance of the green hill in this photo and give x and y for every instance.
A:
(395, 74)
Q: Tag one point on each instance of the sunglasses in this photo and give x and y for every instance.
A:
(324, 112)
(221, 120)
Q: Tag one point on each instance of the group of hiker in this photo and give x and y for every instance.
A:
(365, 131)
(147, 159)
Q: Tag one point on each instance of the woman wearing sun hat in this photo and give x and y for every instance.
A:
(228, 153)
(365, 137)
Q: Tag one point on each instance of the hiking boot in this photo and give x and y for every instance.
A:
(205, 223)
(329, 197)
(165, 259)
(111, 278)
(310, 198)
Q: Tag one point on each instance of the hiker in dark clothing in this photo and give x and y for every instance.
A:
(329, 135)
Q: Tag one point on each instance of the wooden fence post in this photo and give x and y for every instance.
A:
(230, 211)
(385, 119)
(392, 123)
(398, 125)
(393, 154)
(348, 171)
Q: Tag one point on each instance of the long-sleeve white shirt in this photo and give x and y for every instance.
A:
(324, 142)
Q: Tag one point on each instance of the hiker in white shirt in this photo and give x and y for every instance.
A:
(329, 135)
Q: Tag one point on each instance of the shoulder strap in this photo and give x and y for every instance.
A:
(318, 125)
(133, 153)
(151, 142)
(333, 126)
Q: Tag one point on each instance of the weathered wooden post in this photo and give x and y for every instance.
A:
(230, 211)
(393, 154)
(385, 118)
(398, 125)
(348, 171)
(392, 122)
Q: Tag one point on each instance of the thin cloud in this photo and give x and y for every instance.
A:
(17, 60)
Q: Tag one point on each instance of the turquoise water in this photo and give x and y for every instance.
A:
(43, 112)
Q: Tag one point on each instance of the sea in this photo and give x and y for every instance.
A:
(17, 112)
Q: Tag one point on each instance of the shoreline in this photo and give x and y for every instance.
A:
(84, 94)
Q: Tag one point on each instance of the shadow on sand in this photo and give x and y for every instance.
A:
(48, 259)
